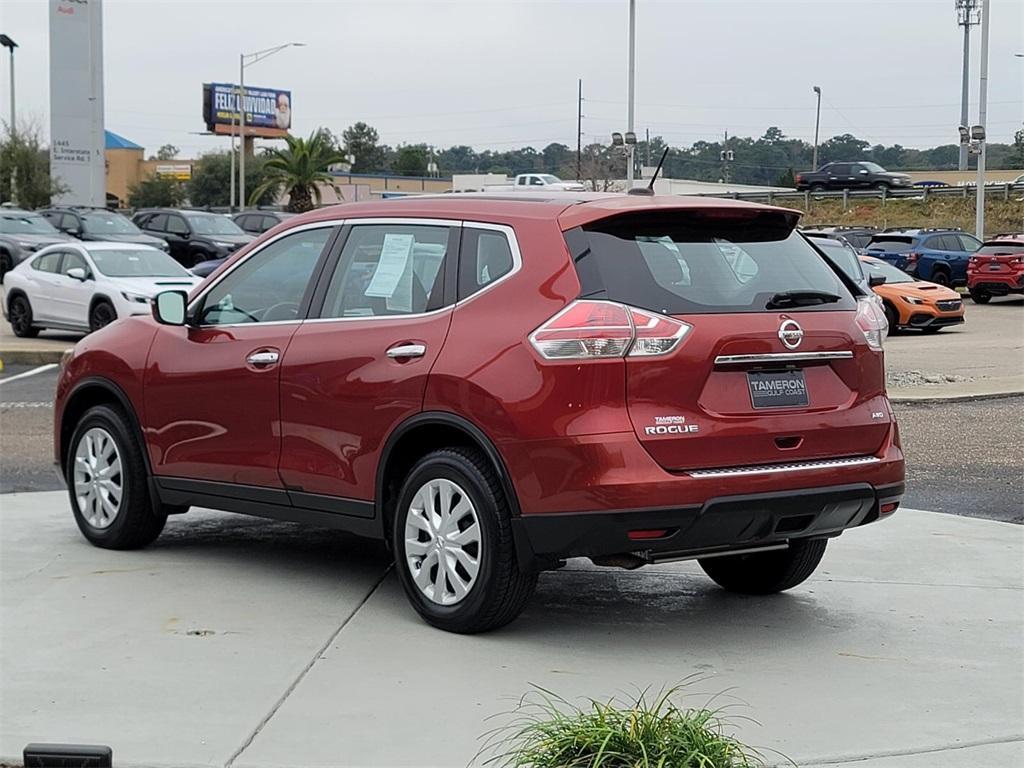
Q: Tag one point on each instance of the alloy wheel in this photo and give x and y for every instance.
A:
(102, 314)
(19, 315)
(97, 478)
(442, 542)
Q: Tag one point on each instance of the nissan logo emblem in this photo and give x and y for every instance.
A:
(791, 334)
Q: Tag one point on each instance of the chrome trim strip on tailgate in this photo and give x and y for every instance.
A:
(738, 359)
(782, 357)
(794, 466)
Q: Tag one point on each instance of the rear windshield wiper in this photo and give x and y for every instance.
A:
(801, 299)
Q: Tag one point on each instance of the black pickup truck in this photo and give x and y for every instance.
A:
(859, 175)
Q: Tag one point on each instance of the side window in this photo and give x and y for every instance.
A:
(269, 285)
(69, 223)
(523, 181)
(536, 181)
(157, 223)
(48, 262)
(269, 222)
(53, 217)
(72, 260)
(934, 243)
(389, 269)
(485, 256)
(969, 243)
(839, 169)
(176, 225)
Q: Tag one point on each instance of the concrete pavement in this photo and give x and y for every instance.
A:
(243, 642)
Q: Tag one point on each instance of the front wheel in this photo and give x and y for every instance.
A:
(892, 318)
(765, 573)
(107, 482)
(453, 548)
(981, 297)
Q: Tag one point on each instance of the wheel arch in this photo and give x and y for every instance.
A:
(419, 435)
(87, 394)
(97, 298)
(13, 294)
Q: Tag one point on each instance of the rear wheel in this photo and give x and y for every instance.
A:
(817, 187)
(940, 277)
(101, 314)
(452, 541)
(107, 482)
(979, 296)
(6, 264)
(19, 313)
(765, 573)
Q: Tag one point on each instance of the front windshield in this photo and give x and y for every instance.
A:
(844, 257)
(108, 224)
(886, 270)
(874, 167)
(213, 225)
(26, 224)
(136, 262)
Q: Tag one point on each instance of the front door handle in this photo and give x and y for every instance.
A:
(263, 358)
(407, 350)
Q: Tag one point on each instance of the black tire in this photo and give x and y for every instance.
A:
(817, 187)
(19, 313)
(940, 277)
(881, 187)
(196, 257)
(501, 590)
(765, 573)
(135, 524)
(6, 265)
(102, 313)
(981, 297)
(892, 318)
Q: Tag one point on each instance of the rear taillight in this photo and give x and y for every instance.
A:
(871, 320)
(589, 329)
(912, 258)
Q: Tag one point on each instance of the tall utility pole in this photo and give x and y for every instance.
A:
(979, 220)
(579, 131)
(7, 42)
(647, 144)
(967, 17)
(817, 123)
(630, 97)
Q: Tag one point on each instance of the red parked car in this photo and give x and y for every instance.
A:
(496, 385)
(997, 268)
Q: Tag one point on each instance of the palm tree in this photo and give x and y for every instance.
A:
(298, 169)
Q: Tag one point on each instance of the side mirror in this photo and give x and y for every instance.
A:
(876, 280)
(170, 307)
(78, 274)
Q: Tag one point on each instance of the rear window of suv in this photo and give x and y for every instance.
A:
(700, 262)
(891, 244)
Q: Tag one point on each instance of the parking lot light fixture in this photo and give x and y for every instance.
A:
(245, 59)
(817, 123)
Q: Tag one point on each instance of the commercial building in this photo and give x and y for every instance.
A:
(127, 165)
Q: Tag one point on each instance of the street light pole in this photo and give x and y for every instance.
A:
(8, 43)
(242, 63)
(979, 219)
(817, 123)
(631, 95)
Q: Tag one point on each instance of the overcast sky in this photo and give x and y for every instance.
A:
(502, 74)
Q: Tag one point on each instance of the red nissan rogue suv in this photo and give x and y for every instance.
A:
(494, 385)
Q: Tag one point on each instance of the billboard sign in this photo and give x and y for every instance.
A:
(77, 159)
(268, 111)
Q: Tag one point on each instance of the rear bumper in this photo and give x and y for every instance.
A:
(997, 285)
(721, 524)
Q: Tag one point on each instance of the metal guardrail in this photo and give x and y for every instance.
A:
(1006, 191)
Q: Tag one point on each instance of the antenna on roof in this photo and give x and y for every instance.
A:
(649, 189)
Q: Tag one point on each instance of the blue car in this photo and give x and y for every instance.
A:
(933, 255)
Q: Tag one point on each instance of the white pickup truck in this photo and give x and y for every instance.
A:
(524, 182)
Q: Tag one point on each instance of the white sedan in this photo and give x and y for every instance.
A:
(84, 286)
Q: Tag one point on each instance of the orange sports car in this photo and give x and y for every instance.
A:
(911, 303)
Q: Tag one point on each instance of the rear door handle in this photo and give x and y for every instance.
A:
(407, 350)
(264, 357)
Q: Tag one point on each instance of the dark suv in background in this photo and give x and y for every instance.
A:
(859, 175)
(258, 222)
(856, 237)
(933, 255)
(99, 224)
(193, 236)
